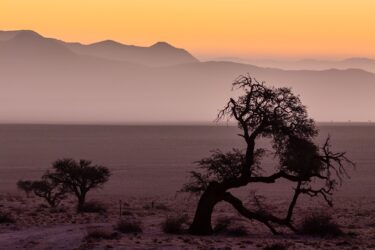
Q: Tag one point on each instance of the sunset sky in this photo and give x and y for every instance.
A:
(208, 28)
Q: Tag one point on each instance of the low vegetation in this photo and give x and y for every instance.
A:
(6, 218)
(156, 206)
(225, 226)
(175, 224)
(93, 207)
(276, 246)
(25, 186)
(99, 233)
(320, 224)
(129, 226)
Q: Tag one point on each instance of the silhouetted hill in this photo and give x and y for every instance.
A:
(366, 64)
(159, 54)
(6, 35)
(28, 44)
(43, 80)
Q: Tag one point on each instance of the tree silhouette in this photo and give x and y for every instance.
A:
(79, 177)
(277, 114)
(50, 190)
(46, 188)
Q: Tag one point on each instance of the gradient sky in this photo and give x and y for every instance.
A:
(257, 28)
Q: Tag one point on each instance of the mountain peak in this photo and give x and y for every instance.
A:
(161, 45)
(20, 34)
(108, 43)
(29, 44)
(28, 34)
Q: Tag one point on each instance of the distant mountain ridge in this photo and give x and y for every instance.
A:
(45, 80)
(367, 64)
(26, 43)
(159, 54)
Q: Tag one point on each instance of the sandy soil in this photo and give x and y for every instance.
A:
(38, 227)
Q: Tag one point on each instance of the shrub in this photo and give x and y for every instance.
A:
(156, 206)
(93, 207)
(25, 186)
(237, 231)
(174, 224)
(320, 224)
(56, 210)
(224, 226)
(127, 213)
(6, 218)
(129, 226)
(101, 234)
(276, 246)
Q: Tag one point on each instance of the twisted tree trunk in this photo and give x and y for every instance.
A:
(202, 220)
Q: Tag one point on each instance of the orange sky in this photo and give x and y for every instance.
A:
(258, 28)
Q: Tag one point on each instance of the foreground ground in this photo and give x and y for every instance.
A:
(38, 227)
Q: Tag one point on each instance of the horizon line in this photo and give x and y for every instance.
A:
(146, 124)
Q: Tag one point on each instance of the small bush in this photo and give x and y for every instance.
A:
(93, 207)
(237, 231)
(156, 206)
(174, 224)
(129, 226)
(26, 186)
(127, 213)
(276, 246)
(224, 226)
(6, 218)
(56, 210)
(101, 234)
(319, 224)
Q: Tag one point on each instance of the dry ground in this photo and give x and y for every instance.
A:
(39, 227)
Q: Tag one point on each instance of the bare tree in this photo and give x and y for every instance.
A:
(79, 177)
(277, 114)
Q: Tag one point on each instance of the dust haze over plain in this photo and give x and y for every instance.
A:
(46, 80)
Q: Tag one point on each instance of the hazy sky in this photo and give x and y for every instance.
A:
(258, 28)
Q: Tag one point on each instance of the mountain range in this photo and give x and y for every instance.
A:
(46, 80)
(366, 64)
